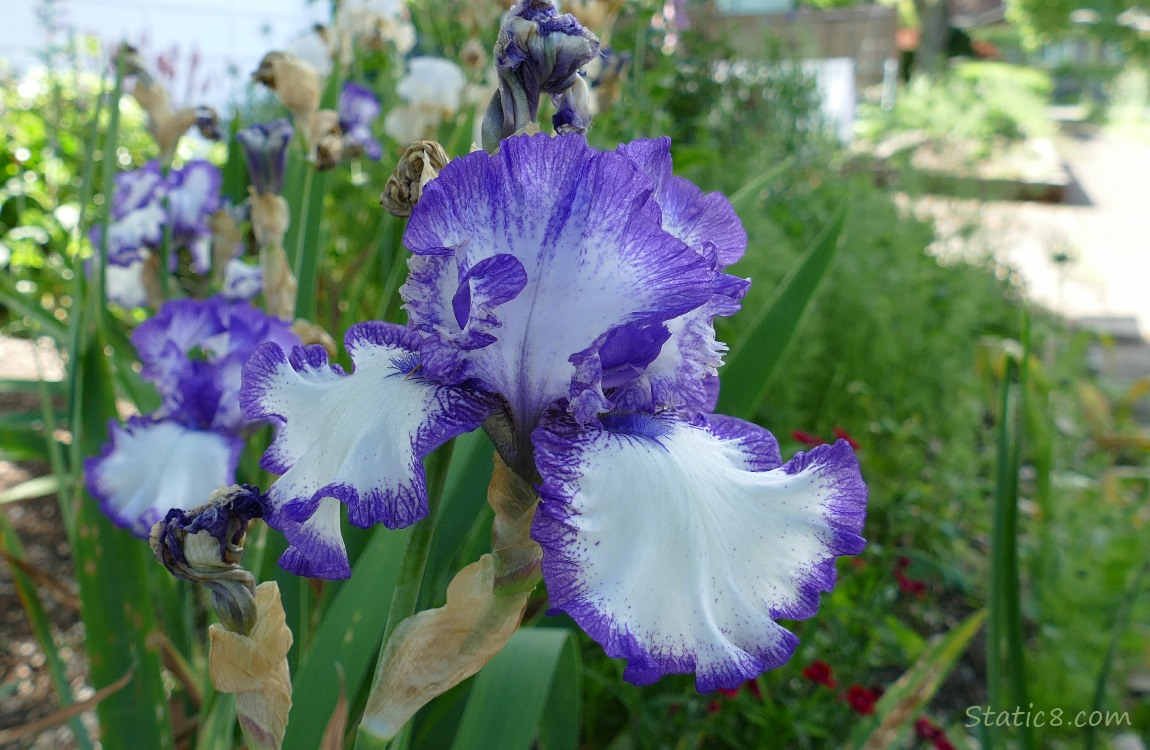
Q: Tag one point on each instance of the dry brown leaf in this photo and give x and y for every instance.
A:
(433, 651)
(255, 668)
(517, 556)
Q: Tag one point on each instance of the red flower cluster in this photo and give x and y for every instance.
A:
(861, 699)
(906, 584)
(820, 672)
(925, 729)
(811, 440)
(751, 686)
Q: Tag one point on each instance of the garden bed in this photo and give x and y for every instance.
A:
(1030, 170)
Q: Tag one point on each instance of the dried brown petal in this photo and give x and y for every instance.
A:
(255, 668)
(295, 82)
(280, 284)
(432, 651)
(419, 165)
(326, 139)
(270, 217)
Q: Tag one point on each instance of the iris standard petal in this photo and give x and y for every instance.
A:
(689, 214)
(575, 230)
(150, 466)
(731, 540)
(358, 438)
(678, 378)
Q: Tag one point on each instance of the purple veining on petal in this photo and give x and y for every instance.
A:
(483, 287)
(678, 378)
(584, 231)
(688, 213)
(728, 530)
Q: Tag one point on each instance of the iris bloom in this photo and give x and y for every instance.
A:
(193, 351)
(563, 298)
(146, 205)
(358, 108)
(432, 91)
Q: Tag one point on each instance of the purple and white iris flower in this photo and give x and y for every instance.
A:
(145, 203)
(265, 148)
(564, 297)
(358, 109)
(193, 351)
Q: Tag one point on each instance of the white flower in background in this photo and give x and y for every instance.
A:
(314, 48)
(433, 91)
(375, 22)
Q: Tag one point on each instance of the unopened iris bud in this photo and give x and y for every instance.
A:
(265, 148)
(205, 544)
(419, 165)
(538, 52)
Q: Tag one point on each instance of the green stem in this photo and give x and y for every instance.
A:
(301, 233)
(411, 570)
(1121, 622)
(419, 546)
(995, 625)
(1012, 585)
(395, 271)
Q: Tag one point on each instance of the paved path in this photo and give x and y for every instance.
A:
(1088, 257)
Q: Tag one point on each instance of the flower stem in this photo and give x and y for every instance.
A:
(419, 545)
(406, 594)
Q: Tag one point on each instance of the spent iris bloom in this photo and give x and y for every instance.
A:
(563, 298)
(193, 351)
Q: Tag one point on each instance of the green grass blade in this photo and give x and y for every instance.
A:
(41, 627)
(349, 635)
(1121, 623)
(112, 573)
(534, 664)
(36, 487)
(744, 198)
(1005, 658)
(755, 356)
(28, 307)
(903, 701)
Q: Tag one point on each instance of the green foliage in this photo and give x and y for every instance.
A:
(982, 102)
(886, 341)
